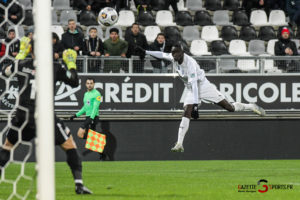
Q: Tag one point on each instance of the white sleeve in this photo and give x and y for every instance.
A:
(195, 91)
(160, 55)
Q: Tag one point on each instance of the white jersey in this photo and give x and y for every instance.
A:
(193, 77)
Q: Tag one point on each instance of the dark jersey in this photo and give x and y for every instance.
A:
(26, 82)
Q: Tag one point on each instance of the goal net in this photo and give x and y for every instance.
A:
(17, 180)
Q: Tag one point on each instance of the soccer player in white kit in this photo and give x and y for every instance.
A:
(199, 88)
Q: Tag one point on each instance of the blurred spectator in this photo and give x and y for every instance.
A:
(14, 47)
(135, 38)
(15, 12)
(160, 66)
(93, 46)
(121, 4)
(72, 38)
(114, 46)
(173, 3)
(58, 48)
(293, 11)
(286, 47)
(2, 49)
(143, 5)
(248, 5)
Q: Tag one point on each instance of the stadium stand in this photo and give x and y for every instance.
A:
(229, 33)
(146, 18)
(210, 33)
(238, 48)
(126, 18)
(248, 33)
(202, 18)
(62, 4)
(240, 18)
(190, 33)
(221, 17)
(65, 15)
(164, 18)
(213, 5)
(231, 4)
(194, 5)
(257, 47)
(184, 18)
(199, 48)
(87, 18)
(258, 18)
(218, 48)
(151, 32)
(266, 33)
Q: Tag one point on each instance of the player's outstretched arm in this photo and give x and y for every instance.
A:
(160, 55)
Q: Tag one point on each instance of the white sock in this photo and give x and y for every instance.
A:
(242, 106)
(183, 128)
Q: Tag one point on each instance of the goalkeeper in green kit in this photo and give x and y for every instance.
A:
(92, 99)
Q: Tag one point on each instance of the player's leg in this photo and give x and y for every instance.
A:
(64, 138)
(5, 154)
(183, 128)
(210, 93)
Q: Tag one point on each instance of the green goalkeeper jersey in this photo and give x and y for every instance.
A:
(91, 100)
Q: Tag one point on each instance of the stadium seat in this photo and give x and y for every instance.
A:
(181, 6)
(146, 19)
(277, 18)
(218, 48)
(227, 65)
(258, 18)
(266, 33)
(172, 34)
(26, 3)
(271, 47)
(268, 64)
(231, 4)
(184, 18)
(213, 5)
(199, 48)
(164, 18)
(194, 5)
(28, 20)
(209, 66)
(256, 47)
(202, 18)
(248, 33)
(247, 65)
(221, 17)
(151, 32)
(65, 15)
(210, 33)
(238, 48)
(159, 5)
(280, 29)
(240, 18)
(99, 31)
(19, 30)
(229, 33)
(126, 18)
(58, 30)
(88, 18)
(61, 4)
(190, 33)
(54, 17)
(107, 31)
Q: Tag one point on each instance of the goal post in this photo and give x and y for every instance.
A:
(45, 100)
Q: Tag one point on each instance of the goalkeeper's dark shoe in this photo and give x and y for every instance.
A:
(81, 189)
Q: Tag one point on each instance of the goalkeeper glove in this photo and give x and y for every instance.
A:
(25, 48)
(69, 57)
(195, 113)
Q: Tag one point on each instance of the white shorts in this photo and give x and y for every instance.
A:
(207, 92)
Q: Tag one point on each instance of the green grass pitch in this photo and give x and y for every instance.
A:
(171, 180)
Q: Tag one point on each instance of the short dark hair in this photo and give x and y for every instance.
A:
(135, 23)
(93, 28)
(177, 47)
(90, 78)
(71, 20)
(114, 30)
(11, 30)
(160, 34)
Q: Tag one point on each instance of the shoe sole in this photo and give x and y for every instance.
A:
(177, 150)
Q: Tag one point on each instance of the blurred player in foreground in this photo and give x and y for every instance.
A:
(24, 118)
(199, 88)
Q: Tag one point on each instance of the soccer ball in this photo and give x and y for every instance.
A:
(108, 16)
